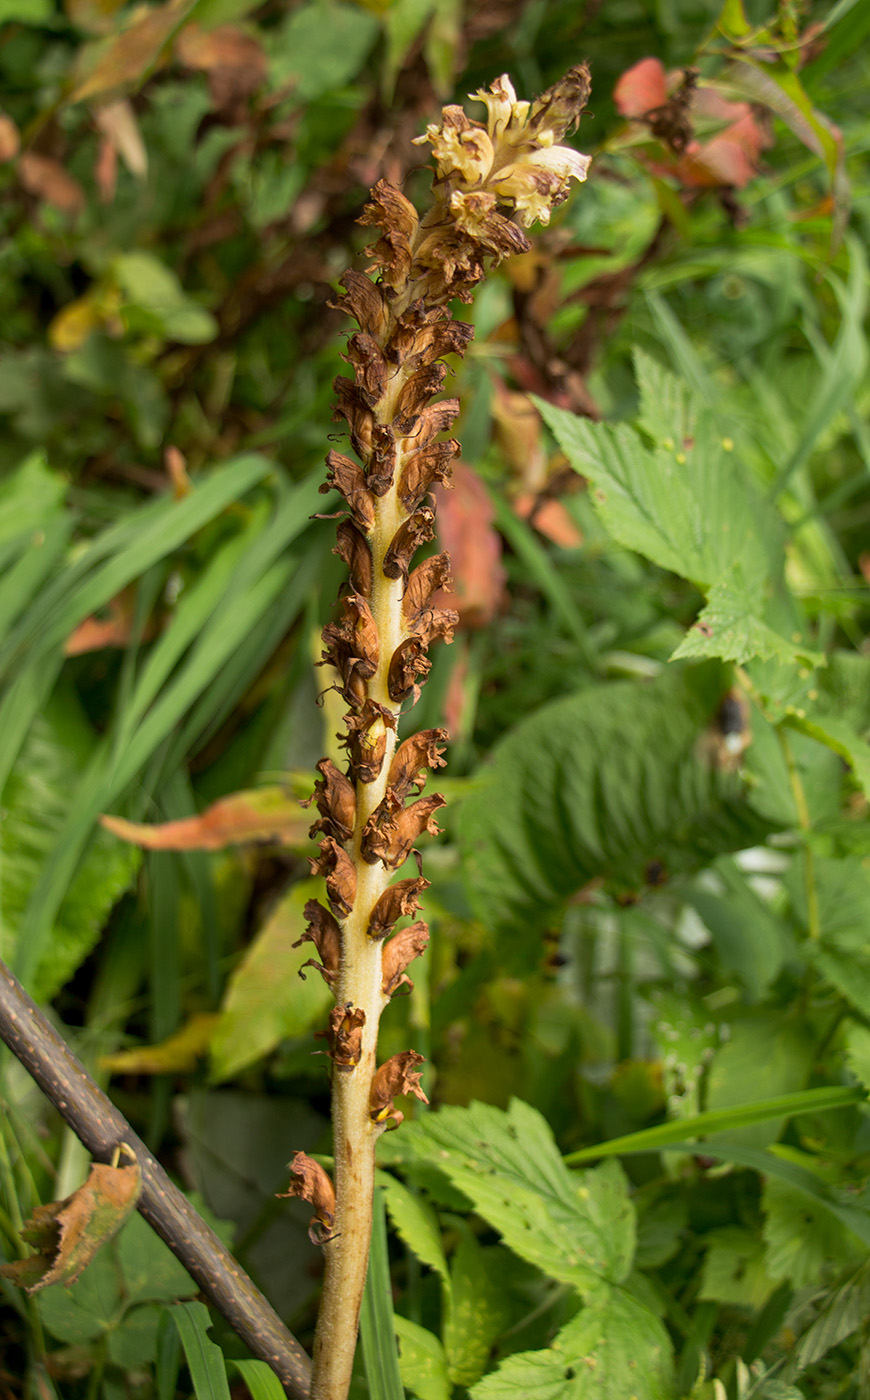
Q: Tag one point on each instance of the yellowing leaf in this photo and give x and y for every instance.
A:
(67, 1234)
(176, 1055)
(73, 324)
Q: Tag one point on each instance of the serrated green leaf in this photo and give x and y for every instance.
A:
(578, 1230)
(839, 736)
(801, 1236)
(614, 1349)
(730, 627)
(477, 1310)
(840, 1316)
(765, 1055)
(422, 1361)
(415, 1222)
(734, 1270)
(599, 785)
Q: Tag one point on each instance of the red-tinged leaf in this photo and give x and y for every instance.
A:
(47, 180)
(550, 518)
(10, 141)
(67, 1234)
(465, 529)
(641, 89)
(261, 814)
(94, 633)
(121, 63)
(226, 47)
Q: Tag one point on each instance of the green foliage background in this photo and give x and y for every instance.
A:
(651, 906)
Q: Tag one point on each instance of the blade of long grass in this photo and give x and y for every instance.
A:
(260, 1380)
(204, 1357)
(720, 1120)
(377, 1333)
(23, 578)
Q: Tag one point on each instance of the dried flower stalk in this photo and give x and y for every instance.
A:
(492, 181)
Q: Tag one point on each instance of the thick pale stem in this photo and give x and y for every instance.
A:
(359, 984)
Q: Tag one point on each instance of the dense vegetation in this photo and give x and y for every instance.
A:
(651, 900)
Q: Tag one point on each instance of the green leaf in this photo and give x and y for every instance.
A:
(88, 1308)
(801, 1236)
(38, 801)
(422, 1361)
(416, 1223)
(260, 1379)
(477, 1309)
(765, 1056)
(730, 626)
(840, 1316)
(601, 785)
(204, 1358)
(150, 1269)
(734, 1269)
(576, 1230)
(858, 1051)
(614, 1349)
(685, 503)
(266, 999)
(839, 736)
(321, 47)
(30, 495)
(378, 1324)
(155, 302)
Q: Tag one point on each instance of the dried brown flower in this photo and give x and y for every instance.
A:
(324, 933)
(396, 1076)
(399, 901)
(402, 949)
(311, 1183)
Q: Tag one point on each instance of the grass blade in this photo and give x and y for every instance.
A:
(204, 1357)
(260, 1380)
(377, 1331)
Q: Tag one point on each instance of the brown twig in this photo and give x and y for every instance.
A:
(98, 1124)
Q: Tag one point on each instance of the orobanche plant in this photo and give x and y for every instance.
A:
(492, 182)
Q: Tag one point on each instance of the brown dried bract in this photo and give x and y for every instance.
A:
(413, 757)
(309, 1182)
(352, 646)
(366, 739)
(336, 802)
(423, 427)
(396, 217)
(358, 415)
(409, 665)
(336, 866)
(392, 829)
(352, 547)
(367, 303)
(324, 933)
(349, 478)
(417, 529)
(398, 902)
(396, 1076)
(344, 1035)
(402, 949)
(422, 469)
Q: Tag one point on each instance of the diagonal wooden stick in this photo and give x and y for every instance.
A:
(95, 1120)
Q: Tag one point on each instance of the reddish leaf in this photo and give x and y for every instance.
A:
(10, 141)
(47, 180)
(262, 814)
(465, 528)
(121, 63)
(641, 89)
(68, 1234)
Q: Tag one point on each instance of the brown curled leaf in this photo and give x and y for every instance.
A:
(398, 902)
(409, 665)
(391, 212)
(416, 530)
(352, 547)
(413, 757)
(336, 802)
(396, 1076)
(418, 389)
(419, 429)
(68, 1234)
(349, 478)
(352, 646)
(392, 829)
(339, 871)
(344, 1035)
(402, 949)
(369, 364)
(309, 1182)
(417, 342)
(324, 933)
(367, 303)
(351, 406)
(426, 580)
(422, 469)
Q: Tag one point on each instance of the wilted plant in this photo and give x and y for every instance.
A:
(491, 183)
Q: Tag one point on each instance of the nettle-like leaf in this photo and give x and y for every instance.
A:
(578, 1229)
(614, 783)
(615, 1348)
(478, 1308)
(685, 502)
